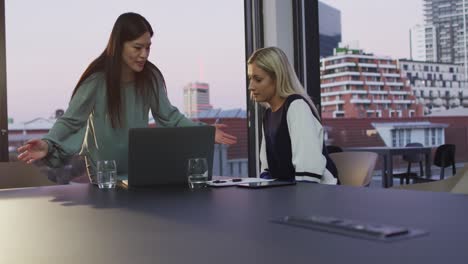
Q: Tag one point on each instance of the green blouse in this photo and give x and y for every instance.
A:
(85, 127)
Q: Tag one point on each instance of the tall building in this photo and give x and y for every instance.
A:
(423, 44)
(329, 29)
(438, 86)
(359, 85)
(196, 98)
(447, 18)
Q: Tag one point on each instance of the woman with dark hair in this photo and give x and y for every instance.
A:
(115, 93)
(293, 143)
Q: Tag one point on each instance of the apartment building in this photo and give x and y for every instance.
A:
(438, 86)
(359, 85)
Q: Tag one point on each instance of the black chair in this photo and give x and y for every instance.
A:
(333, 149)
(444, 157)
(411, 158)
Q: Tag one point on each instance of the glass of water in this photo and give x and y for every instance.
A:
(197, 173)
(106, 174)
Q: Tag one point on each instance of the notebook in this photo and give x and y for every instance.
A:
(159, 156)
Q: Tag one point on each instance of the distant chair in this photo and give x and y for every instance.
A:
(455, 184)
(355, 168)
(20, 175)
(411, 158)
(445, 157)
(333, 149)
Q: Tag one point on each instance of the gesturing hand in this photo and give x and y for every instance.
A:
(222, 137)
(34, 149)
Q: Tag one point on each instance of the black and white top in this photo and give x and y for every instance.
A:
(293, 144)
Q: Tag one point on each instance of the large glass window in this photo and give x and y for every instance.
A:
(400, 64)
(197, 45)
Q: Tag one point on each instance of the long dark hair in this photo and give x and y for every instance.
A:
(128, 27)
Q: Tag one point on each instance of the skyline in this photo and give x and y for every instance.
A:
(47, 69)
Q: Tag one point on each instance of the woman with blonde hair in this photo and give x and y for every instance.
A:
(292, 145)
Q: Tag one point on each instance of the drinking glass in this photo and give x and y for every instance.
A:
(106, 174)
(197, 173)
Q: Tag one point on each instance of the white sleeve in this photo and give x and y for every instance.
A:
(263, 155)
(306, 134)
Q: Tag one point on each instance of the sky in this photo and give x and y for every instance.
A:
(381, 26)
(50, 43)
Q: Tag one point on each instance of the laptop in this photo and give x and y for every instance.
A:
(158, 156)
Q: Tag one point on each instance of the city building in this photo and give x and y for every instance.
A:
(423, 44)
(438, 86)
(196, 98)
(329, 29)
(447, 18)
(357, 85)
(399, 134)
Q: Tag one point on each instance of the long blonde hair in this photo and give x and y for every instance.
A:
(276, 64)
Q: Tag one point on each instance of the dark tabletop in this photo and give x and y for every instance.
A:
(82, 224)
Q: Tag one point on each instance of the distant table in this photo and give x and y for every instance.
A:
(81, 224)
(387, 154)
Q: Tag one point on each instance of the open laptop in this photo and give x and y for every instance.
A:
(158, 156)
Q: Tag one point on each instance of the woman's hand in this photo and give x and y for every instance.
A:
(223, 138)
(34, 149)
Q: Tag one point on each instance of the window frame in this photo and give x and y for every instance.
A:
(4, 156)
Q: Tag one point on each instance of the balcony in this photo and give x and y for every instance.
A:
(378, 92)
(380, 101)
(368, 65)
(360, 101)
(375, 83)
(335, 102)
(339, 74)
(339, 65)
(334, 84)
(388, 66)
(399, 92)
(395, 83)
(404, 101)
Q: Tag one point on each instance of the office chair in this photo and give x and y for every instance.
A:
(455, 184)
(355, 168)
(333, 149)
(444, 157)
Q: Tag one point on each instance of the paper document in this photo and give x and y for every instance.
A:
(233, 182)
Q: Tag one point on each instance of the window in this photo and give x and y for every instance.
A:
(401, 137)
(426, 137)
(394, 138)
(440, 131)
(185, 53)
(426, 76)
(408, 136)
